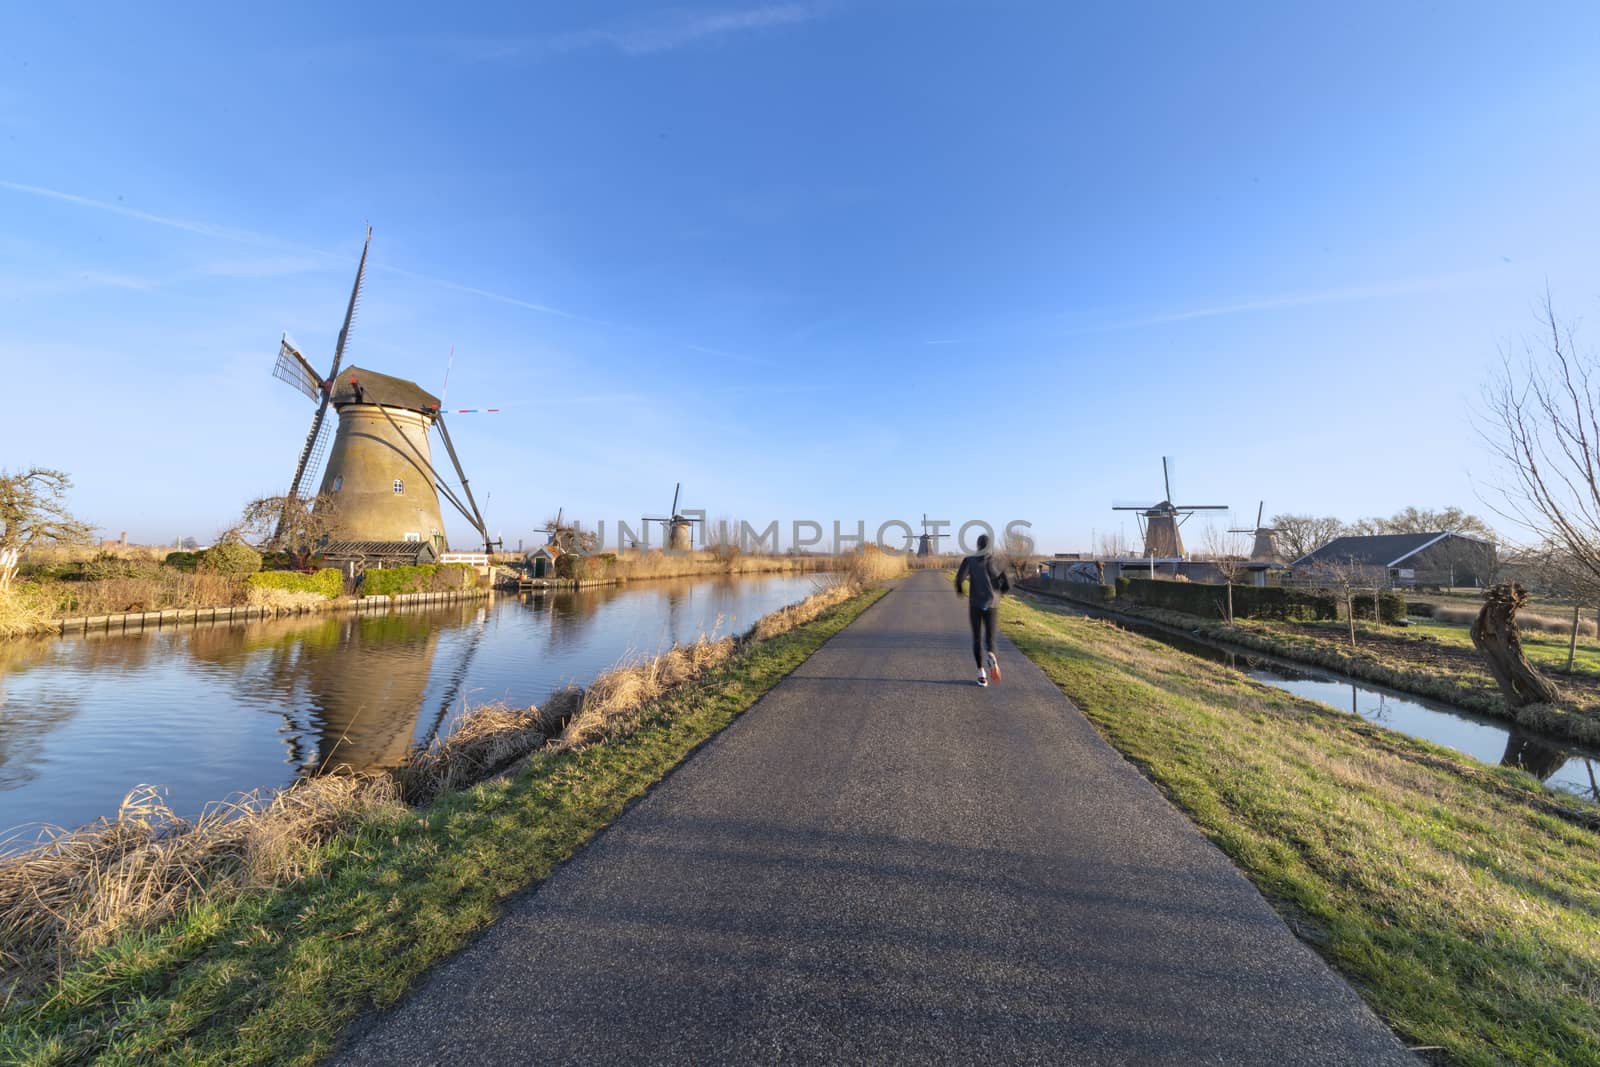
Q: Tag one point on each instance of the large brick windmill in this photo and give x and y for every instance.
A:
(379, 480)
(1161, 521)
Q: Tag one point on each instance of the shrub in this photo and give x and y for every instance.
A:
(231, 558)
(183, 561)
(327, 582)
(1421, 609)
(426, 578)
(107, 565)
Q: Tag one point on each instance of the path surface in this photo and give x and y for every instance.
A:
(881, 861)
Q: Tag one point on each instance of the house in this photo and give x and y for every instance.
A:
(1406, 561)
(542, 560)
(354, 557)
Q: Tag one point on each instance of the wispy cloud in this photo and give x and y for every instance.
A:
(302, 257)
(1337, 295)
(645, 35)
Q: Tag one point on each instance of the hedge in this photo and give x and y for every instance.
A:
(327, 582)
(230, 558)
(1249, 601)
(424, 578)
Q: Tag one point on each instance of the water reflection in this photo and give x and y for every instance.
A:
(211, 710)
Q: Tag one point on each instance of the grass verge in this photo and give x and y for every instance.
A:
(272, 975)
(1462, 901)
(1448, 671)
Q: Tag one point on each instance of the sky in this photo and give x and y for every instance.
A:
(827, 261)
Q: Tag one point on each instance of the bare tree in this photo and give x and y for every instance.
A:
(1343, 577)
(1301, 535)
(1226, 551)
(1494, 633)
(1425, 520)
(296, 526)
(1018, 550)
(1542, 424)
(33, 513)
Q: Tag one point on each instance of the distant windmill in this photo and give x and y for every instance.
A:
(678, 530)
(560, 534)
(1160, 522)
(928, 543)
(1265, 549)
(379, 479)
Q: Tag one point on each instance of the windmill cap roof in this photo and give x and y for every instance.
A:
(357, 385)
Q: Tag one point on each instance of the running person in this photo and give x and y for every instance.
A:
(983, 609)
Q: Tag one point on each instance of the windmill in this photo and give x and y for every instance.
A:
(1265, 549)
(928, 544)
(379, 479)
(1160, 522)
(553, 533)
(677, 532)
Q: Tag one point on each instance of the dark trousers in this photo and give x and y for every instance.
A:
(983, 622)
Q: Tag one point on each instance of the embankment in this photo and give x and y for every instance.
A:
(1462, 901)
(254, 933)
(1396, 664)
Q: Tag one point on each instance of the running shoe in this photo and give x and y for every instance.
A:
(994, 668)
(983, 677)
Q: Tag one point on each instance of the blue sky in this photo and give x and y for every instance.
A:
(815, 260)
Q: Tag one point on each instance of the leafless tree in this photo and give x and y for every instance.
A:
(1343, 577)
(1018, 550)
(1542, 425)
(1226, 551)
(1113, 546)
(296, 526)
(33, 513)
(1301, 535)
(1425, 520)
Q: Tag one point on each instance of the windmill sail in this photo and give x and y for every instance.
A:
(294, 369)
(310, 450)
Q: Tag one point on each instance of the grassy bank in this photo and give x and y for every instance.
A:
(269, 973)
(1424, 663)
(1461, 900)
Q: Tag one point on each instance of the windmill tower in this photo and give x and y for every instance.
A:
(379, 481)
(927, 543)
(556, 533)
(1160, 522)
(677, 532)
(1265, 549)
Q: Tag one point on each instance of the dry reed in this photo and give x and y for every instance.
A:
(23, 609)
(1532, 622)
(76, 890)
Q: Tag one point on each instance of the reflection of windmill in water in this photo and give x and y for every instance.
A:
(677, 530)
(1265, 547)
(1160, 522)
(928, 543)
(379, 480)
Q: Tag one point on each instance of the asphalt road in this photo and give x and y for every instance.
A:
(883, 862)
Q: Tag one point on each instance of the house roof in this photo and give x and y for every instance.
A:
(410, 551)
(357, 385)
(1380, 550)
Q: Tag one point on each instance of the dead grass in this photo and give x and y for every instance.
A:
(1526, 620)
(165, 590)
(76, 890)
(23, 609)
(284, 599)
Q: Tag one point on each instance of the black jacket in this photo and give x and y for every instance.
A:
(988, 580)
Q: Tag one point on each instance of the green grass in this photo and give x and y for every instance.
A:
(272, 977)
(1460, 900)
(1546, 651)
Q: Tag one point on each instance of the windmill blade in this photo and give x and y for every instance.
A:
(1260, 509)
(1166, 475)
(675, 491)
(350, 309)
(294, 369)
(310, 455)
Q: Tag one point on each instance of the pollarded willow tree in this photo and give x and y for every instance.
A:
(33, 513)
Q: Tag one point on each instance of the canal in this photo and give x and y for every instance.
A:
(211, 710)
(1557, 763)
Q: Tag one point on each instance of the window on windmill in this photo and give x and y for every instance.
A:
(412, 536)
(338, 482)
(399, 487)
